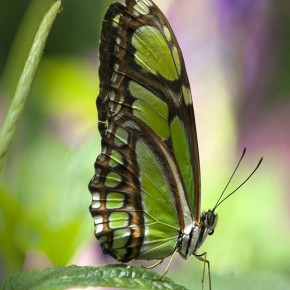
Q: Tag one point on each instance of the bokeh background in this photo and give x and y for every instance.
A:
(237, 55)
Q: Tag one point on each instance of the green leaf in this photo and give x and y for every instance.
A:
(25, 81)
(119, 276)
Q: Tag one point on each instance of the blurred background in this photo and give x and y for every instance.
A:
(237, 55)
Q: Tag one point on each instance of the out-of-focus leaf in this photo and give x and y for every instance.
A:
(46, 207)
(67, 86)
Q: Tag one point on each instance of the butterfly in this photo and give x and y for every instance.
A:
(146, 189)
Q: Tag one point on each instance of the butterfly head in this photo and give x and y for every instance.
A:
(208, 221)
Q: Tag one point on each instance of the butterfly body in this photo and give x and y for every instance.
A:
(146, 187)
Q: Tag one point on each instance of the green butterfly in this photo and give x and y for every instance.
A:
(146, 188)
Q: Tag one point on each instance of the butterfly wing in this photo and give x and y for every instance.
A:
(148, 171)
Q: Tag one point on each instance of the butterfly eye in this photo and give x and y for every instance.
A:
(211, 219)
(210, 232)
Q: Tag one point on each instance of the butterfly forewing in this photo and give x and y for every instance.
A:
(146, 186)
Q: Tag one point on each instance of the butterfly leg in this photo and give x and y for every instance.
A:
(167, 267)
(202, 257)
(169, 263)
(155, 264)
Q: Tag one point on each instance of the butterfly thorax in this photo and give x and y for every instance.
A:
(195, 234)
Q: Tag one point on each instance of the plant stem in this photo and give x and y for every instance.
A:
(25, 81)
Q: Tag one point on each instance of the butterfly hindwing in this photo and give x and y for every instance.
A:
(146, 184)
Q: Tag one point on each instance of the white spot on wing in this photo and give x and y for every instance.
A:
(95, 204)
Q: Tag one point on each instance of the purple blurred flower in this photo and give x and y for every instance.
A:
(253, 34)
(233, 11)
(253, 39)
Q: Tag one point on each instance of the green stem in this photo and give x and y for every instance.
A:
(25, 81)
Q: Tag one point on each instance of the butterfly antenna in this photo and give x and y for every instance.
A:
(258, 165)
(241, 158)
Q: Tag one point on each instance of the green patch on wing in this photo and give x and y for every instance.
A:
(118, 220)
(115, 200)
(150, 109)
(182, 155)
(153, 53)
(161, 221)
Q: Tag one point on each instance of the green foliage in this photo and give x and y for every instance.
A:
(42, 208)
(11, 207)
(25, 81)
(43, 213)
(134, 277)
(120, 276)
